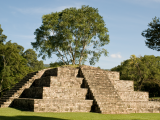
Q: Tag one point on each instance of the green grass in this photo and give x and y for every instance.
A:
(155, 97)
(14, 114)
(74, 66)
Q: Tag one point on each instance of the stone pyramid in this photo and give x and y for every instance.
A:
(80, 89)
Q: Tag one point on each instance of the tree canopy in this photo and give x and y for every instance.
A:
(140, 70)
(68, 33)
(32, 62)
(13, 66)
(152, 35)
(14, 63)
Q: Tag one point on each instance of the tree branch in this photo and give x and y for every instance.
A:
(66, 58)
(69, 55)
(71, 51)
(82, 51)
(62, 57)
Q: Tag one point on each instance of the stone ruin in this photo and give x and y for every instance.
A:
(80, 89)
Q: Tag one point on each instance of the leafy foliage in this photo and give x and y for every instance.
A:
(14, 66)
(72, 31)
(141, 70)
(31, 58)
(152, 34)
(14, 63)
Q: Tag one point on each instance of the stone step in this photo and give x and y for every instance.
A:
(142, 106)
(64, 93)
(123, 85)
(105, 94)
(62, 72)
(133, 95)
(67, 72)
(25, 83)
(104, 90)
(103, 84)
(113, 108)
(55, 93)
(53, 81)
(7, 99)
(8, 93)
(18, 86)
(50, 105)
(14, 94)
(15, 88)
(111, 99)
(35, 92)
(6, 104)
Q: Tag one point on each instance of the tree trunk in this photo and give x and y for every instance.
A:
(1, 87)
(140, 85)
(73, 61)
(80, 61)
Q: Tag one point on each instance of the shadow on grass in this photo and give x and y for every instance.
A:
(29, 118)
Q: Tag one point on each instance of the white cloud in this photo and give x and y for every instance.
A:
(116, 55)
(41, 10)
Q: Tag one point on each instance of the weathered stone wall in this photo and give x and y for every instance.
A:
(53, 105)
(133, 95)
(34, 92)
(67, 72)
(123, 85)
(142, 106)
(62, 105)
(53, 81)
(70, 82)
(50, 72)
(64, 93)
(113, 75)
(23, 104)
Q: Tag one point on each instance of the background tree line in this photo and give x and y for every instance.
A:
(14, 63)
(72, 37)
(145, 71)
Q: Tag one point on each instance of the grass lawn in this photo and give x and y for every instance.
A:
(14, 114)
(155, 97)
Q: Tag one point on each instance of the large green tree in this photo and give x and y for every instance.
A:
(14, 63)
(152, 35)
(140, 69)
(13, 66)
(32, 62)
(70, 33)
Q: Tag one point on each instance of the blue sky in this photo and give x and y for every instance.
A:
(125, 20)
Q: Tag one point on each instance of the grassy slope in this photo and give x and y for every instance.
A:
(14, 114)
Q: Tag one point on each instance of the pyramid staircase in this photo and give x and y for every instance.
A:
(114, 96)
(81, 89)
(58, 90)
(17, 90)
